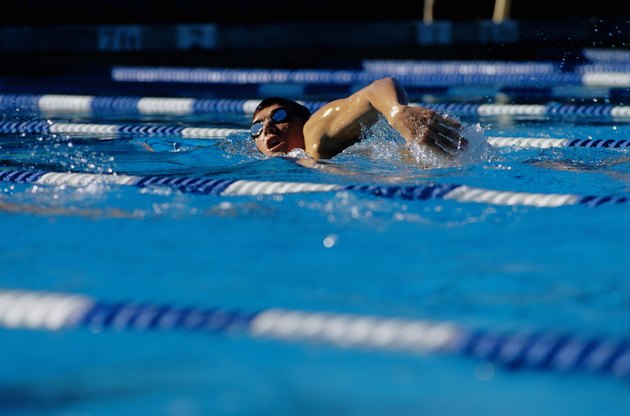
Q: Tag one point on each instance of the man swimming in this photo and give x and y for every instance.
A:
(280, 125)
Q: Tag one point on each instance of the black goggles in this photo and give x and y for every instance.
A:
(279, 115)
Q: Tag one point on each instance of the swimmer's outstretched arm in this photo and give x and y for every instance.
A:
(337, 125)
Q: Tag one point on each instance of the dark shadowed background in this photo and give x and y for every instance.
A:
(47, 37)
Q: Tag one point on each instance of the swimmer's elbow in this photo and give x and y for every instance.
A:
(317, 153)
(385, 82)
(313, 148)
(325, 147)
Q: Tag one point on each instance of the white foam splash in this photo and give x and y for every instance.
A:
(382, 143)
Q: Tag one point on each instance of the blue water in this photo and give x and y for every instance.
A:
(478, 265)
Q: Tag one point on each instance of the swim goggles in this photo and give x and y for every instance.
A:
(279, 115)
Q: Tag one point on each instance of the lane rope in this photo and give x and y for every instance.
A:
(107, 105)
(338, 77)
(432, 74)
(516, 350)
(229, 187)
(161, 130)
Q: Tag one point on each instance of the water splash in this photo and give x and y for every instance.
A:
(381, 143)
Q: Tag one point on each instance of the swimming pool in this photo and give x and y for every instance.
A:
(512, 240)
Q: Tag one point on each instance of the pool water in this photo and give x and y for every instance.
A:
(479, 265)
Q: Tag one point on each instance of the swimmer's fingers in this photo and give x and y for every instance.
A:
(442, 133)
(438, 131)
(457, 141)
(437, 140)
(446, 131)
(450, 143)
(446, 122)
(444, 149)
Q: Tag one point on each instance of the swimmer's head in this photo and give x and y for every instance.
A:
(277, 125)
(296, 108)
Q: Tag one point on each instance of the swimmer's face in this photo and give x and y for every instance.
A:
(277, 131)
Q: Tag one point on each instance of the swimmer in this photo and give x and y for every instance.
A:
(280, 125)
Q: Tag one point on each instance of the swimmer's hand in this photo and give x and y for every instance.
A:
(431, 129)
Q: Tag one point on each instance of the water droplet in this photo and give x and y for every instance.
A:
(484, 372)
(330, 240)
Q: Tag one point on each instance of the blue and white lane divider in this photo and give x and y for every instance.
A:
(133, 106)
(95, 105)
(496, 68)
(538, 350)
(435, 78)
(109, 131)
(229, 188)
(115, 130)
(595, 55)
(547, 142)
(334, 77)
(604, 73)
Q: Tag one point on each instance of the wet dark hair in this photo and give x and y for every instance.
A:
(295, 108)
